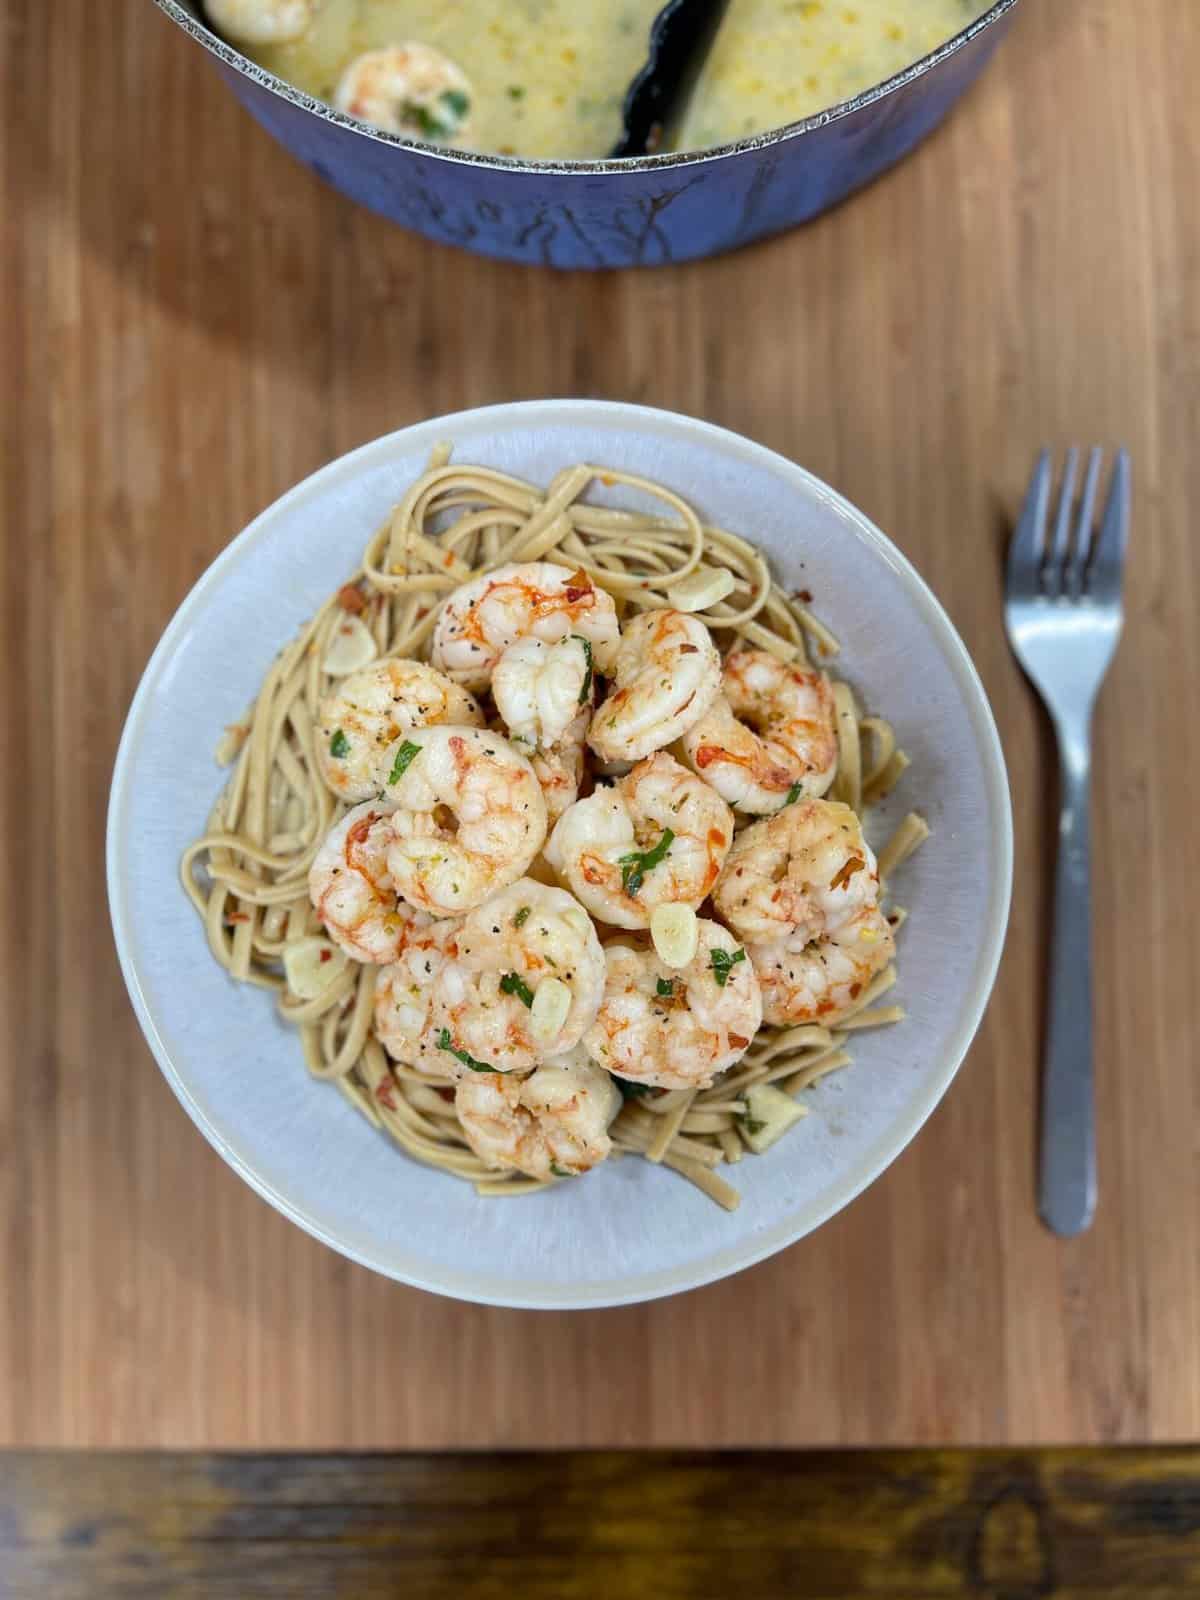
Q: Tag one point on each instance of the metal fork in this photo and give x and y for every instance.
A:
(1063, 615)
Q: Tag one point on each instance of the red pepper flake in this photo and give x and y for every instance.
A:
(385, 1093)
(846, 871)
(805, 595)
(579, 586)
(446, 1094)
(855, 990)
(326, 955)
(237, 916)
(688, 650)
(737, 1041)
(350, 598)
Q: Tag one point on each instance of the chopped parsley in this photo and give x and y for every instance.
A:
(521, 918)
(723, 961)
(752, 1125)
(445, 1042)
(513, 983)
(443, 118)
(405, 756)
(516, 91)
(559, 1172)
(587, 678)
(794, 794)
(339, 746)
(638, 863)
(665, 986)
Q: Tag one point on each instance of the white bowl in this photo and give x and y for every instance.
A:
(629, 1231)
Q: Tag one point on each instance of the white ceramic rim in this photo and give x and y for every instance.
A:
(525, 415)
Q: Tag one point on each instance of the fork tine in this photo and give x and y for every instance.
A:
(1028, 540)
(1077, 560)
(1107, 565)
(1056, 556)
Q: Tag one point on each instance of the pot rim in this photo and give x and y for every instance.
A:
(605, 165)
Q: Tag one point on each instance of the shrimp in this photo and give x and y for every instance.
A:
(544, 694)
(409, 89)
(362, 724)
(469, 818)
(553, 1123)
(667, 674)
(351, 888)
(405, 992)
(657, 837)
(533, 599)
(798, 874)
(770, 737)
(676, 1029)
(262, 21)
(823, 981)
(524, 985)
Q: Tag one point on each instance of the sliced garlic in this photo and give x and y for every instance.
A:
(551, 1003)
(768, 1116)
(701, 589)
(675, 934)
(351, 647)
(311, 965)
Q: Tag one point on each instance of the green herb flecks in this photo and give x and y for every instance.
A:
(587, 677)
(405, 756)
(665, 987)
(560, 1172)
(794, 794)
(339, 746)
(638, 863)
(723, 962)
(443, 118)
(445, 1042)
(521, 918)
(516, 91)
(513, 983)
(752, 1125)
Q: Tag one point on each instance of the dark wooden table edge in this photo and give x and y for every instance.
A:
(1010, 1523)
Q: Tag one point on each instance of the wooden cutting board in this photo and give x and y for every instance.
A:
(190, 323)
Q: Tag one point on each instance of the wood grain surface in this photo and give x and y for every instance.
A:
(190, 323)
(906, 1525)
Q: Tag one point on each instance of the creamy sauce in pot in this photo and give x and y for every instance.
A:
(548, 78)
(776, 61)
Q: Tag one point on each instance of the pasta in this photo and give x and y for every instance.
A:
(247, 875)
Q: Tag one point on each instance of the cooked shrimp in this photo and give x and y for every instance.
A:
(554, 1123)
(262, 21)
(657, 837)
(534, 599)
(797, 875)
(469, 818)
(770, 737)
(667, 673)
(559, 769)
(822, 981)
(410, 89)
(525, 982)
(544, 694)
(676, 1029)
(352, 890)
(362, 724)
(405, 992)
(539, 688)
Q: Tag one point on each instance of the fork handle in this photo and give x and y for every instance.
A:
(1067, 1197)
